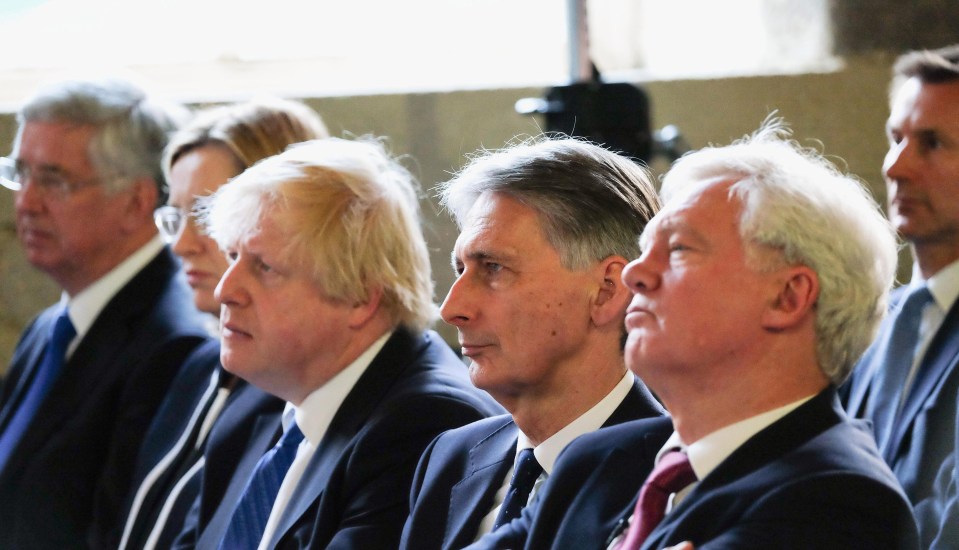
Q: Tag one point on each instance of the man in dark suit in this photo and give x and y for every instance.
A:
(922, 174)
(911, 397)
(325, 305)
(745, 316)
(217, 145)
(86, 172)
(547, 228)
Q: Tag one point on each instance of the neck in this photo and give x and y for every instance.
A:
(932, 257)
(541, 415)
(707, 404)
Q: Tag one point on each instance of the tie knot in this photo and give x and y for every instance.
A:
(527, 469)
(673, 473)
(291, 437)
(63, 330)
(915, 300)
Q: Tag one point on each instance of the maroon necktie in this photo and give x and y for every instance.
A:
(671, 475)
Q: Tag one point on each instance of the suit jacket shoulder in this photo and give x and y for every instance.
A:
(96, 413)
(354, 491)
(460, 473)
(812, 476)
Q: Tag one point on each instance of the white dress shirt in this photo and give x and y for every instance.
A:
(313, 417)
(547, 451)
(944, 287)
(85, 307)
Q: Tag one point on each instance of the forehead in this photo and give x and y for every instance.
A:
(703, 204)
(498, 220)
(925, 104)
(55, 144)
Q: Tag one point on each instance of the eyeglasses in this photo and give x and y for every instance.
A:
(14, 175)
(170, 221)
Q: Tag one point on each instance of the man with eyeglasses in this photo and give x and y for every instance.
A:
(89, 372)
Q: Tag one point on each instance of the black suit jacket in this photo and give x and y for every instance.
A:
(923, 434)
(813, 479)
(461, 471)
(353, 493)
(65, 483)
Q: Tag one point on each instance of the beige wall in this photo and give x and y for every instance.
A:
(841, 113)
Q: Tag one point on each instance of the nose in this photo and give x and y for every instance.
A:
(230, 291)
(899, 162)
(29, 198)
(456, 306)
(189, 242)
(638, 276)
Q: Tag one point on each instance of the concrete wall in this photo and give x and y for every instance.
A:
(841, 113)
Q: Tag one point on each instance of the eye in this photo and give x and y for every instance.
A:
(263, 266)
(492, 267)
(232, 255)
(929, 141)
(458, 268)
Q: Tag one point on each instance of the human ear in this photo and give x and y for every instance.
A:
(797, 293)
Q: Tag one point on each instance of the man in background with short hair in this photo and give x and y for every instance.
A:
(89, 372)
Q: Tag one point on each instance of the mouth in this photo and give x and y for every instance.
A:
(195, 276)
(472, 349)
(233, 331)
(635, 316)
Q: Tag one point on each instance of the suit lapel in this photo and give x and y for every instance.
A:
(939, 360)
(490, 461)
(95, 356)
(783, 436)
(24, 364)
(383, 372)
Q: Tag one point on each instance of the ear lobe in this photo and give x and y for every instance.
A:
(364, 311)
(612, 297)
(797, 296)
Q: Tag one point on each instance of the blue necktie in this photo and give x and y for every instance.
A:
(520, 486)
(897, 358)
(252, 512)
(61, 333)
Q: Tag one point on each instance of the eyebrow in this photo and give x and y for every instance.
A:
(479, 256)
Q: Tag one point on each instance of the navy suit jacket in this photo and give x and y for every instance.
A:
(813, 479)
(354, 491)
(172, 419)
(251, 412)
(461, 471)
(924, 431)
(65, 483)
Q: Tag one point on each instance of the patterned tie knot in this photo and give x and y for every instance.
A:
(252, 512)
(525, 473)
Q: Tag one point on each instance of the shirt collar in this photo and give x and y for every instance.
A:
(944, 285)
(316, 412)
(88, 303)
(591, 420)
(710, 451)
